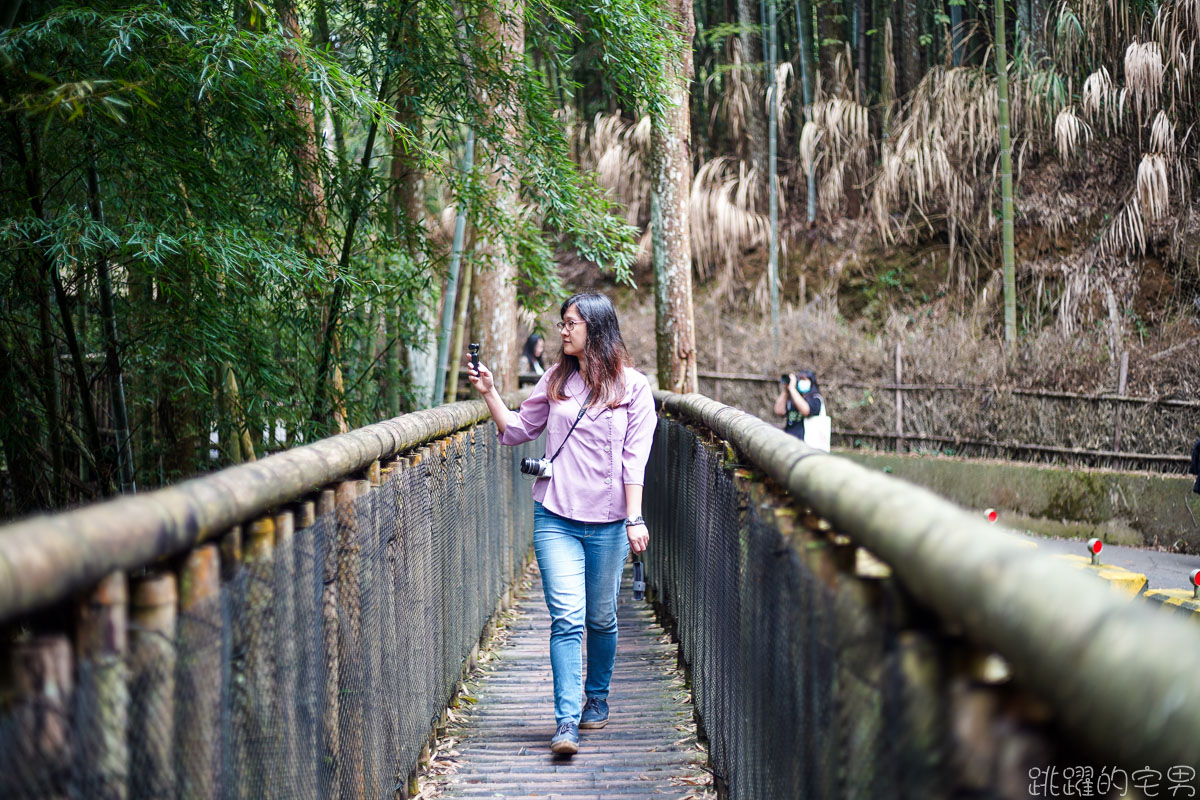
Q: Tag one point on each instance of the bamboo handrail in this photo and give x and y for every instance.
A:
(1103, 664)
(48, 557)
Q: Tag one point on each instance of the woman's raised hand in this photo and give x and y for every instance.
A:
(481, 379)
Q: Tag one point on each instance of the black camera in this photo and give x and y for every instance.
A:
(783, 378)
(473, 349)
(537, 467)
(639, 580)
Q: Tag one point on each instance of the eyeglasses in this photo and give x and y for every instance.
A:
(569, 325)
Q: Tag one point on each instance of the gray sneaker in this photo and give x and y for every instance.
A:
(566, 740)
(595, 713)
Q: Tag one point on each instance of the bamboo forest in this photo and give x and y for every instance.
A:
(232, 227)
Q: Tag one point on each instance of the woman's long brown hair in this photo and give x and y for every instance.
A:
(606, 353)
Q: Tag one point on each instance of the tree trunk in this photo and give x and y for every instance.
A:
(408, 214)
(804, 31)
(1006, 185)
(31, 164)
(751, 37)
(313, 205)
(670, 170)
(956, 33)
(312, 194)
(829, 44)
(19, 433)
(496, 294)
(108, 323)
(862, 13)
(908, 48)
(773, 202)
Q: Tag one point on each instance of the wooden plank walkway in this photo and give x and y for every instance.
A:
(499, 745)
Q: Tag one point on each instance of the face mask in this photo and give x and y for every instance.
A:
(803, 385)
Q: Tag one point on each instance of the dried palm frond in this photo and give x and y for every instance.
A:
(737, 91)
(1126, 234)
(810, 140)
(783, 97)
(1143, 74)
(1069, 132)
(721, 216)
(1153, 192)
(615, 150)
(1162, 135)
(1101, 101)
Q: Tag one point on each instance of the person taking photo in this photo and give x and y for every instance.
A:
(799, 399)
(598, 415)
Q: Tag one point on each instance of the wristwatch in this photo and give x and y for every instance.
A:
(638, 520)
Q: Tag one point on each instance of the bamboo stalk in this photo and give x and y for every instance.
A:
(199, 694)
(101, 725)
(460, 328)
(152, 713)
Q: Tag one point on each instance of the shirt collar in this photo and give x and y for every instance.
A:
(578, 390)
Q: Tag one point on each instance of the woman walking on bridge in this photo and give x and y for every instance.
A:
(598, 414)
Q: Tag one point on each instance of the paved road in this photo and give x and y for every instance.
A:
(1163, 570)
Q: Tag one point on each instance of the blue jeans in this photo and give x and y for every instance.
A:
(581, 566)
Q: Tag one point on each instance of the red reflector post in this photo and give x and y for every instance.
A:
(1094, 547)
(990, 515)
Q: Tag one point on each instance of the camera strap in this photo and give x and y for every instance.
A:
(579, 416)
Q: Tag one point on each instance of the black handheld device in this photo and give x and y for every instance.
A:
(473, 349)
(639, 579)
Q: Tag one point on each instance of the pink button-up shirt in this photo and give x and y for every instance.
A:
(609, 448)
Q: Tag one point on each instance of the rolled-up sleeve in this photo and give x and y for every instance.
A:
(639, 435)
(528, 423)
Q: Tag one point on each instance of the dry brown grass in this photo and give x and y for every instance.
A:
(724, 219)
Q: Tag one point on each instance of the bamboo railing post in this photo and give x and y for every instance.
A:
(199, 690)
(231, 554)
(1121, 383)
(390, 665)
(899, 400)
(253, 672)
(288, 630)
(101, 725)
(152, 649)
(859, 649)
(349, 645)
(330, 753)
(44, 692)
(922, 745)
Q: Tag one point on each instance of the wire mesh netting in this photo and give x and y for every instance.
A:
(283, 663)
(803, 681)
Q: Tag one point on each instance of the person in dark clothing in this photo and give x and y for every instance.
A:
(531, 356)
(1195, 467)
(800, 397)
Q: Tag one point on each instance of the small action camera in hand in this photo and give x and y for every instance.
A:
(783, 378)
(537, 467)
(473, 349)
(639, 580)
